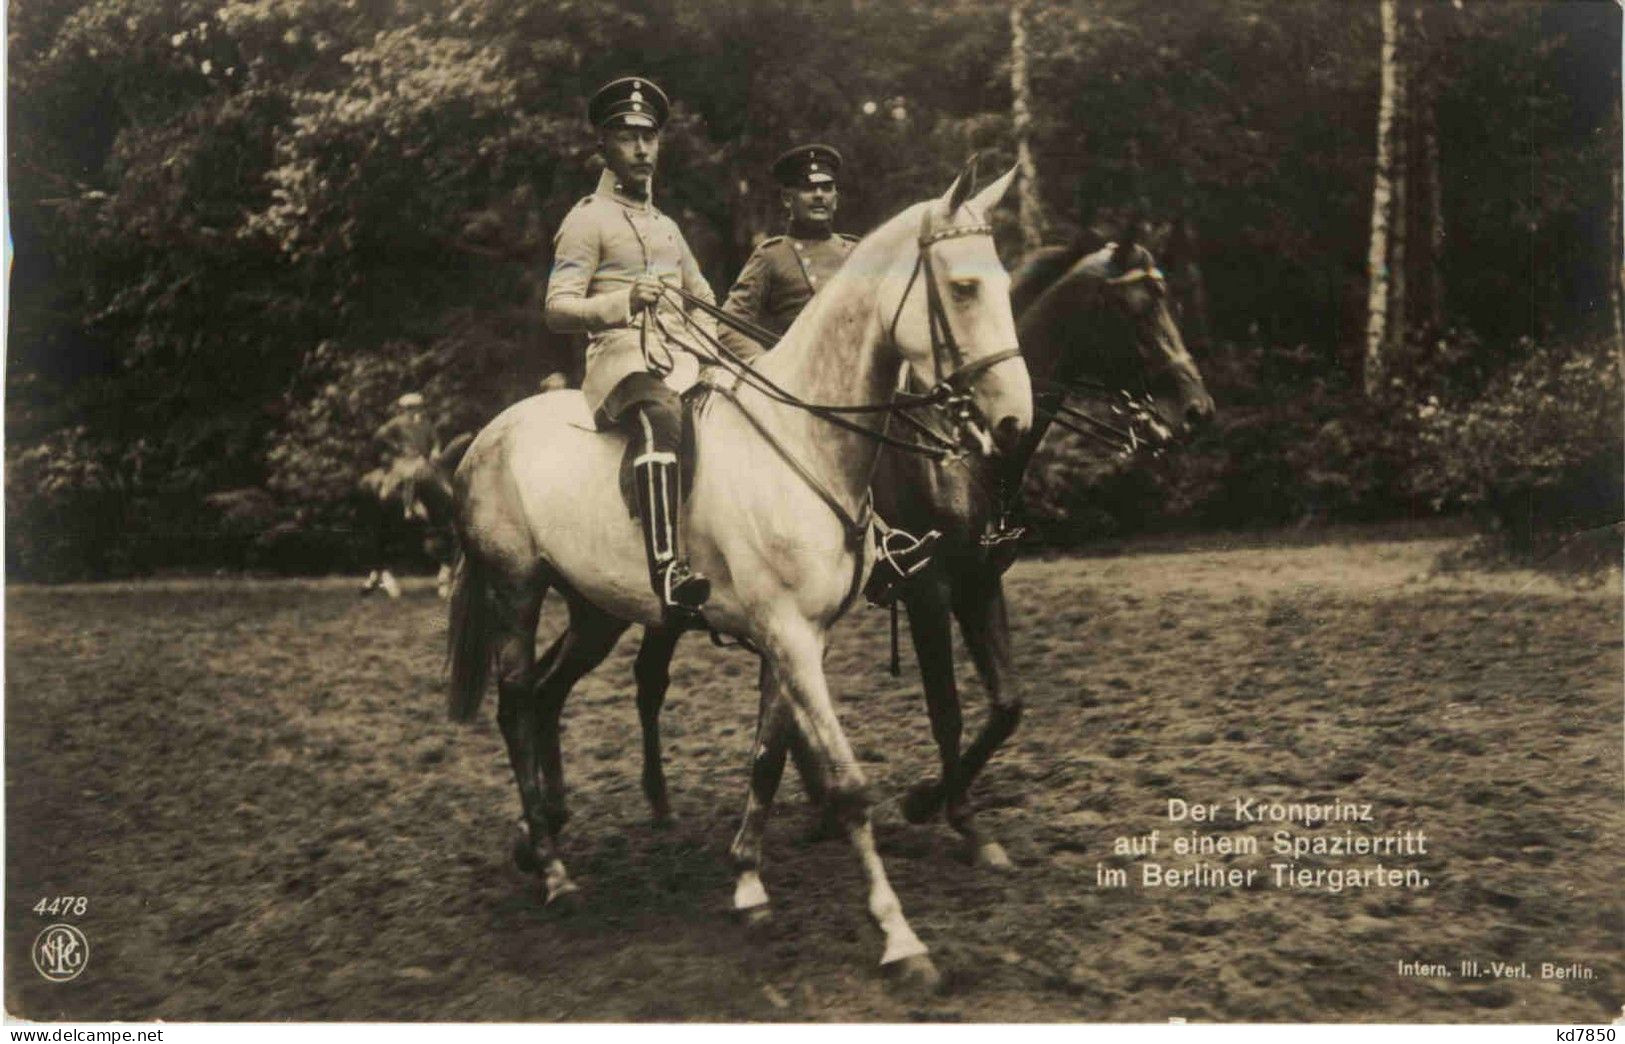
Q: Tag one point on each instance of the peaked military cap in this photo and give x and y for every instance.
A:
(807, 165)
(631, 101)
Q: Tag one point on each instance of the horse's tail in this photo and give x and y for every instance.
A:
(468, 650)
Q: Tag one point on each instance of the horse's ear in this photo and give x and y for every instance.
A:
(960, 190)
(989, 197)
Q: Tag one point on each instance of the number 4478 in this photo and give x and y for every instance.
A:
(60, 905)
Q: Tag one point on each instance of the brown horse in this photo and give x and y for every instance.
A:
(1089, 320)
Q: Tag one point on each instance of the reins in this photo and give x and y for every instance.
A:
(950, 391)
(719, 354)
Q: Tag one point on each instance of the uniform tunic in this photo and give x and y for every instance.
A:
(605, 242)
(777, 282)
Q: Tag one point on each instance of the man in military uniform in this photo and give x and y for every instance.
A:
(785, 271)
(778, 280)
(612, 259)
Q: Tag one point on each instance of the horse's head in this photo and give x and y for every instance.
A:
(947, 305)
(1108, 316)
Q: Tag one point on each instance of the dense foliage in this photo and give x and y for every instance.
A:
(243, 226)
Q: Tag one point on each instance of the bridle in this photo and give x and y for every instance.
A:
(951, 391)
(953, 375)
(1134, 424)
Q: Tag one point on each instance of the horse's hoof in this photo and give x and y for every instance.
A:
(566, 901)
(524, 856)
(660, 813)
(990, 855)
(757, 919)
(916, 975)
(922, 802)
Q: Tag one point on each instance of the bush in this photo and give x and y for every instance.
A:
(1293, 441)
(70, 501)
(1539, 452)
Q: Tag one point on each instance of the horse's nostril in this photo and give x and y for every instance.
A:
(1007, 435)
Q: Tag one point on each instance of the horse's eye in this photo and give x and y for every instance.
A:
(964, 289)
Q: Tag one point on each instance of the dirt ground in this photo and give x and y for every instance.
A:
(255, 786)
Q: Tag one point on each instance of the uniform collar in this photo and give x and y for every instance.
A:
(799, 231)
(610, 188)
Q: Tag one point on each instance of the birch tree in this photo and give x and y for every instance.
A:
(1382, 202)
(1032, 216)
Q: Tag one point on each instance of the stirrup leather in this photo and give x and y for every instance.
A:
(899, 555)
(659, 504)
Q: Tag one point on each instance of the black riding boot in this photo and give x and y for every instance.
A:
(678, 587)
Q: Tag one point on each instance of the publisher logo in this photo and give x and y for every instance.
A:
(61, 952)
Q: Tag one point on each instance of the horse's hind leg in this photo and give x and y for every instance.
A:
(983, 620)
(930, 626)
(518, 715)
(588, 639)
(652, 669)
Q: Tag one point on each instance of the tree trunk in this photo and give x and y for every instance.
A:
(1427, 239)
(1399, 225)
(1032, 214)
(1425, 107)
(1382, 199)
(1433, 301)
(1616, 268)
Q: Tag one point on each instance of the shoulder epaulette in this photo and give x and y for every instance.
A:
(849, 239)
(769, 241)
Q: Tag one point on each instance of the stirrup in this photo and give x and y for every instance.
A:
(1001, 544)
(680, 588)
(1000, 533)
(899, 555)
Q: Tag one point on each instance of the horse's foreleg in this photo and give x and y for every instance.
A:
(652, 669)
(796, 655)
(774, 724)
(983, 620)
(931, 629)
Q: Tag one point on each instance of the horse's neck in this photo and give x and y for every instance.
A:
(833, 356)
(1044, 345)
(1047, 331)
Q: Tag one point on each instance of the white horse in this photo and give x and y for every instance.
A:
(774, 518)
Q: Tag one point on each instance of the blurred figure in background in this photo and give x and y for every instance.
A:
(409, 480)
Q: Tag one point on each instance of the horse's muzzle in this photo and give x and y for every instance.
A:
(1007, 436)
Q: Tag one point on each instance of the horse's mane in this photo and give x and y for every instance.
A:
(1047, 266)
(1041, 269)
(884, 237)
